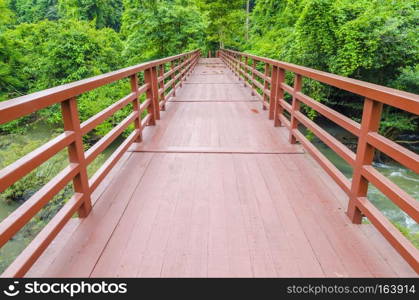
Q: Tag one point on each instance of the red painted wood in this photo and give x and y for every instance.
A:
(208, 200)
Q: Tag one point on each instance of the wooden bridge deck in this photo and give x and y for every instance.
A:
(215, 190)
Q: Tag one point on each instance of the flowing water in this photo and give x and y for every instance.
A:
(403, 177)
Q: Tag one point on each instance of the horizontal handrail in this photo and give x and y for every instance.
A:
(142, 115)
(396, 98)
(34, 159)
(25, 105)
(367, 132)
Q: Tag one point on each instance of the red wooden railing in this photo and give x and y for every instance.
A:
(146, 113)
(271, 87)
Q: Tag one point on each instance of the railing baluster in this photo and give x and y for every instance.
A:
(265, 86)
(163, 108)
(274, 91)
(150, 77)
(246, 62)
(279, 95)
(371, 117)
(76, 153)
(298, 82)
(136, 106)
(253, 76)
(180, 71)
(172, 66)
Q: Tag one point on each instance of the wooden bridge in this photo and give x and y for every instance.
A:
(215, 179)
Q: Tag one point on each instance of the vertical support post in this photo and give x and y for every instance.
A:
(161, 73)
(150, 77)
(189, 66)
(274, 89)
(136, 106)
(239, 66)
(253, 77)
(279, 95)
(172, 66)
(298, 82)
(265, 86)
(76, 154)
(371, 117)
(238, 57)
(181, 60)
(246, 63)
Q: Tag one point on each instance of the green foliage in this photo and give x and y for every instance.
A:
(6, 14)
(225, 22)
(30, 11)
(371, 40)
(157, 29)
(54, 53)
(104, 13)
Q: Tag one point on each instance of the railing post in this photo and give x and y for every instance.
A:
(298, 82)
(279, 95)
(371, 117)
(265, 86)
(76, 153)
(136, 106)
(253, 76)
(274, 89)
(239, 57)
(161, 73)
(246, 61)
(172, 66)
(181, 60)
(240, 67)
(150, 77)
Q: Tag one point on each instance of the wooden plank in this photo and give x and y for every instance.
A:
(218, 257)
(176, 251)
(240, 261)
(153, 257)
(298, 259)
(198, 251)
(184, 211)
(87, 243)
(344, 236)
(126, 248)
(46, 259)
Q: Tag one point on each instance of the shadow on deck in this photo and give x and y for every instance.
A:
(215, 190)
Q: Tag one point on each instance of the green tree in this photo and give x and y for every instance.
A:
(154, 29)
(226, 22)
(371, 40)
(105, 13)
(58, 52)
(30, 11)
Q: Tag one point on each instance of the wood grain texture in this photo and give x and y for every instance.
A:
(202, 196)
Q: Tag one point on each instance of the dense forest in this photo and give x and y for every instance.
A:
(45, 43)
